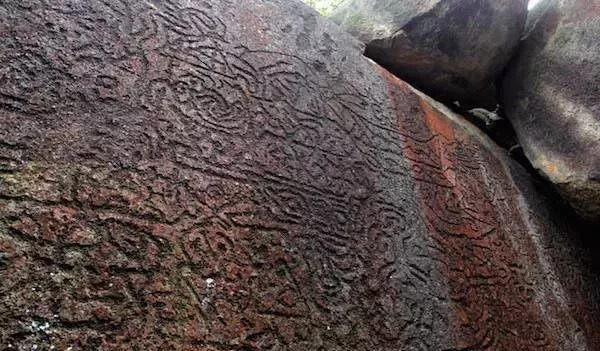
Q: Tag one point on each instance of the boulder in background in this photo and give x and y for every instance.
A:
(552, 97)
(451, 49)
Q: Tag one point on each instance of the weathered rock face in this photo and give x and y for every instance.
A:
(452, 49)
(212, 176)
(552, 97)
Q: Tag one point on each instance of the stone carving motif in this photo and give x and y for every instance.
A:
(163, 185)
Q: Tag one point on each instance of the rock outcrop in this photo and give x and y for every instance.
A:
(552, 98)
(451, 49)
(234, 175)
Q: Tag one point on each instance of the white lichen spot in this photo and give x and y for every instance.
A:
(210, 291)
(36, 327)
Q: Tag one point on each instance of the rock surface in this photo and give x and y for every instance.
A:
(226, 175)
(451, 49)
(552, 97)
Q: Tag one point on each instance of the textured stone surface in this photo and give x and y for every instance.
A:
(452, 49)
(552, 97)
(212, 176)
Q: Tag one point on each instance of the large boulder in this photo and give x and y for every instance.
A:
(234, 175)
(451, 49)
(552, 98)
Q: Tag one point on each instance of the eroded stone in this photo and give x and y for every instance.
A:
(212, 176)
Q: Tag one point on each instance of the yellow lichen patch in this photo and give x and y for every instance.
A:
(325, 7)
(38, 181)
(551, 166)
